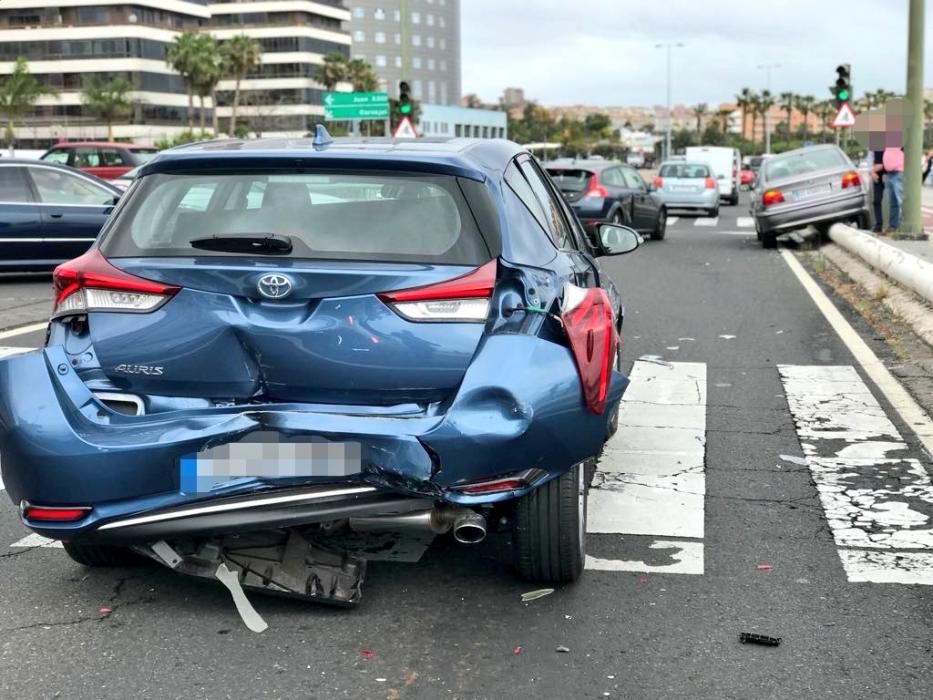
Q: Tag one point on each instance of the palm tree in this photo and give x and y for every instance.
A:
(700, 111)
(824, 111)
(107, 101)
(805, 104)
(241, 55)
(182, 56)
(765, 103)
(788, 101)
(209, 67)
(333, 70)
(744, 102)
(362, 76)
(19, 91)
(754, 106)
(723, 116)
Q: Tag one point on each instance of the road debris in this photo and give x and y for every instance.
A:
(516, 651)
(561, 649)
(105, 611)
(727, 337)
(534, 595)
(367, 654)
(801, 461)
(763, 639)
(765, 567)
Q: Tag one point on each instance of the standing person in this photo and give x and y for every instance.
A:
(927, 165)
(877, 190)
(893, 161)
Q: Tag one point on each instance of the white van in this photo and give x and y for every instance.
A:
(726, 163)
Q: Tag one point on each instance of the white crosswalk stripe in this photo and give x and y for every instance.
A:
(671, 220)
(745, 222)
(650, 479)
(875, 499)
(35, 540)
(711, 221)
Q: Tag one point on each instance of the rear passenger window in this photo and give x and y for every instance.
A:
(113, 157)
(87, 158)
(554, 223)
(633, 179)
(13, 186)
(613, 177)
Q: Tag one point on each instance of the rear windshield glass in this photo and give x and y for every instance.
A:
(684, 170)
(569, 180)
(393, 217)
(778, 167)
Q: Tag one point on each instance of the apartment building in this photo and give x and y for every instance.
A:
(418, 40)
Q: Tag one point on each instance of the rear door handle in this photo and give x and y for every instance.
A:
(57, 215)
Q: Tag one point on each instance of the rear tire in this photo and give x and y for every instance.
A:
(713, 213)
(768, 239)
(101, 555)
(660, 227)
(549, 538)
(734, 199)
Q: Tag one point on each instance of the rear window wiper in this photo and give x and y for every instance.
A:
(269, 243)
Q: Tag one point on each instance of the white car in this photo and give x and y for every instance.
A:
(726, 163)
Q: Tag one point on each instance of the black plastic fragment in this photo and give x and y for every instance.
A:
(750, 638)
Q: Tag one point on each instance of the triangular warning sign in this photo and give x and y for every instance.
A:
(405, 130)
(844, 117)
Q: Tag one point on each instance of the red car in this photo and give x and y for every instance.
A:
(747, 176)
(106, 160)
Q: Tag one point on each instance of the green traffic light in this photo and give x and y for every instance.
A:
(843, 95)
(405, 109)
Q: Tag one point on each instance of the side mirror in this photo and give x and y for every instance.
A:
(652, 187)
(116, 199)
(618, 240)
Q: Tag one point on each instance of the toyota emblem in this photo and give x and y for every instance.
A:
(274, 286)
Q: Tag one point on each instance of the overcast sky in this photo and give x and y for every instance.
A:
(602, 52)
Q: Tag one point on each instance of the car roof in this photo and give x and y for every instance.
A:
(99, 144)
(685, 162)
(471, 158)
(805, 149)
(582, 163)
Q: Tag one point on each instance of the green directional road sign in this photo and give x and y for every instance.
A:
(356, 105)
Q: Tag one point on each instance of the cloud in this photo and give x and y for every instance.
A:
(604, 52)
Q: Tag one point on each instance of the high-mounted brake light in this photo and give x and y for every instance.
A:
(91, 283)
(465, 298)
(54, 514)
(588, 321)
(709, 183)
(771, 197)
(851, 179)
(594, 189)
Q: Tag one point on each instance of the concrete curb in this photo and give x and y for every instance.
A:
(907, 270)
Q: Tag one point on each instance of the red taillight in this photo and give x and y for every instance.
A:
(464, 298)
(588, 321)
(90, 283)
(658, 182)
(594, 189)
(851, 179)
(710, 183)
(771, 197)
(503, 483)
(52, 514)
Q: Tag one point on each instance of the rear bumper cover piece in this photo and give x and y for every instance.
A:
(519, 407)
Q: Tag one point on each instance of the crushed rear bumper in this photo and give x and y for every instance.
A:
(519, 407)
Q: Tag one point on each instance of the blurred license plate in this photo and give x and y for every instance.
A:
(811, 192)
(683, 188)
(265, 456)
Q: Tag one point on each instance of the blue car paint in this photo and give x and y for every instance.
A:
(513, 402)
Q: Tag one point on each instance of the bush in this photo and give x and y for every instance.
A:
(182, 138)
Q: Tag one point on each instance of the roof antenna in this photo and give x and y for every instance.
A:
(321, 137)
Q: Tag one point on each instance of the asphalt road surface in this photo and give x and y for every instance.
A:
(761, 482)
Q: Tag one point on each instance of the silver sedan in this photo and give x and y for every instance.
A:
(688, 185)
(813, 186)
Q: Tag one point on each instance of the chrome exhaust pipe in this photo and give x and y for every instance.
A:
(470, 527)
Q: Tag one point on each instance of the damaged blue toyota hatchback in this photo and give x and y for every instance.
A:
(276, 341)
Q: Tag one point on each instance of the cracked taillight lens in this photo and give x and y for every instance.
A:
(588, 322)
(464, 298)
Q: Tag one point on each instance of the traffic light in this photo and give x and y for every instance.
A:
(404, 97)
(842, 90)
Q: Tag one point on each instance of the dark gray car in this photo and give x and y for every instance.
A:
(815, 186)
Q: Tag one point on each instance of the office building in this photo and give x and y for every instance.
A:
(444, 120)
(418, 40)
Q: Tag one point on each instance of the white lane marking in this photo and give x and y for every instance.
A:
(909, 568)
(651, 478)
(745, 221)
(873, 495)
(736, 233)
(671, 220)
(23, 330)
(35, 540)
(902, 402)
(712, 221)
(686, 556)
(7, 351)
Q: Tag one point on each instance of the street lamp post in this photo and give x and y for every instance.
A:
(767, 68)
(667, 138)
